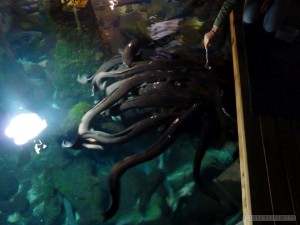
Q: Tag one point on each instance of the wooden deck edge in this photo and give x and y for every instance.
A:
(245, 184)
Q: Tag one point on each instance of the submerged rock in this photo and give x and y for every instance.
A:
(9, 185)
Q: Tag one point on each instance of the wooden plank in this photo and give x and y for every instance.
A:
(279, 184)
(289, 143)
(246, 197)
(255, 190)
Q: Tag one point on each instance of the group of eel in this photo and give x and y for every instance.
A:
(165, 94)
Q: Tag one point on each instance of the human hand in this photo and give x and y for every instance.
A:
(209, 36)
(266, 5)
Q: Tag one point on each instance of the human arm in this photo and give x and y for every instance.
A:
(223, 14)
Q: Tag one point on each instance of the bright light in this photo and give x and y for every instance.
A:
(113, 3)
(25, 127)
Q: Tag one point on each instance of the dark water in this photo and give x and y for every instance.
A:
(45, 46)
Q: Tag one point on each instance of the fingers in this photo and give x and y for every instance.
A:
(206, 41)
(207, 38)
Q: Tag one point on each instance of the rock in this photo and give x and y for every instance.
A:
(19, 204)
(9, 185)
(53, 210)
(77, 183)
(5, 208)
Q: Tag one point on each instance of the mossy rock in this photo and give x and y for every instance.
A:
(74, 116)
(74, 56)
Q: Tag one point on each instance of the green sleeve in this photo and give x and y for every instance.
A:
(224, 12)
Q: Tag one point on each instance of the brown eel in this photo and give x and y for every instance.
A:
(153, 151)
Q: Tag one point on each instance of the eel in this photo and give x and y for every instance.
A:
(100, 137)
(109, 65)
(99, 78)
(165, 140)
(129, 52)
(181, 89)
(132, 82)
(153, 100)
